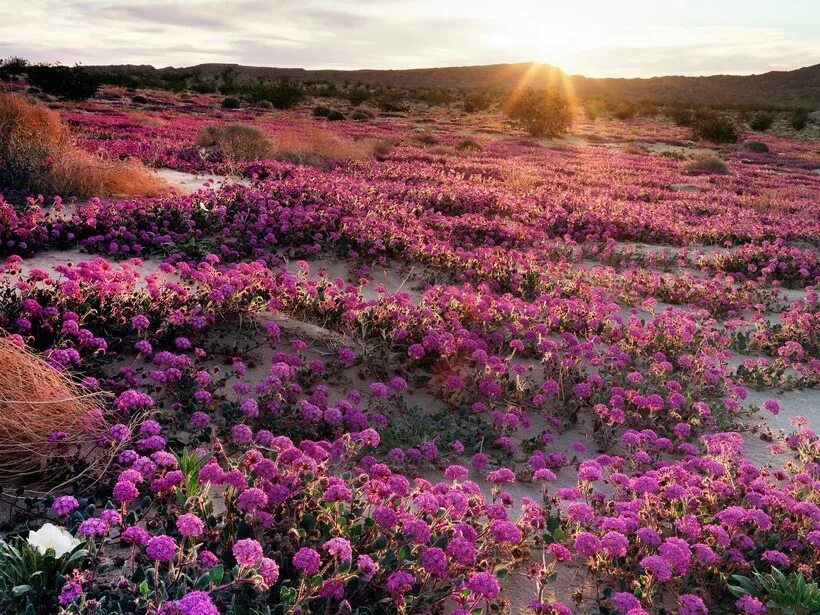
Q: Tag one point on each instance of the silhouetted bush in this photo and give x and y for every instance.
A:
(756, 146)
(361, 115)
(12, 68)
(392, 103)
(624, 111)
(476, 101)
(265, 104)
(139, 99)
(72, 83)
(799, 119)
(715, 128)
(229, 102)
(542, 113)
(282, 93)
(682, 116)
(358, 96)
(762, 121)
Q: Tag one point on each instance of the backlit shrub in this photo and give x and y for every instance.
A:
(715, 128)
(542, 113)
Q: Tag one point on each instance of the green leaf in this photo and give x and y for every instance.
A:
(19, 590)
(216, 574)
(144, 589)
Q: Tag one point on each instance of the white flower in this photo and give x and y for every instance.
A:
(52, 537)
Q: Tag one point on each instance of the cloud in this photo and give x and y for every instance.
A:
(411, 33)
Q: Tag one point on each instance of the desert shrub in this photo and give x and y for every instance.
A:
(469, 144)
(682, 116)
(282, 93)
(265, 104)
(236, 141)
(321, 111)
(12, 68)
(40, 156)
(426, 138)
(593, 109)
(139, 99)
(358, 96)
(756, 146)
(762, 121)
(230, 102)
(706, 164)
(361, 115)
(72, 83)
(476, 101)
(715, 128)
(542, 113)
(799, 119)
(326, 112)
(392, 103)
(624, 111)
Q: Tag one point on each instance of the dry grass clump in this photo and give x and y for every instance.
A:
(316, 146)
(43, 413)
(522, 178)
(632, 148)
(706, 164)
(237, 141)
(301, 145)
(41, 156)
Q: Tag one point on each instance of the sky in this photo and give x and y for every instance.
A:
(597, 38)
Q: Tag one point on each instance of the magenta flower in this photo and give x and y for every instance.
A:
(307, 560)
(161, 548)
(248, 552)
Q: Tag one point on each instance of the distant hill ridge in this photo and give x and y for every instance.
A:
(795, 88)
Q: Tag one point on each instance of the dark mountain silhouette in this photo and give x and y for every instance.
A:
(795, 88)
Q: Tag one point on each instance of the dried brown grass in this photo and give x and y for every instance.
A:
(237, 141)
(316, 146)
(42, 157)
(37, 401)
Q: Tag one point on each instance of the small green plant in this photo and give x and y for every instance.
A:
(789, 595)
(190, 464)
(31, 578)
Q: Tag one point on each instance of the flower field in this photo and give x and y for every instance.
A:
(461, 371)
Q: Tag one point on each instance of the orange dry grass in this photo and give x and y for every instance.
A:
(37, 401)
(39, 149)
(314, 145)
(237, 141)
(78, 172)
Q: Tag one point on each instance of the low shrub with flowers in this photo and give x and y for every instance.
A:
(678, 532)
